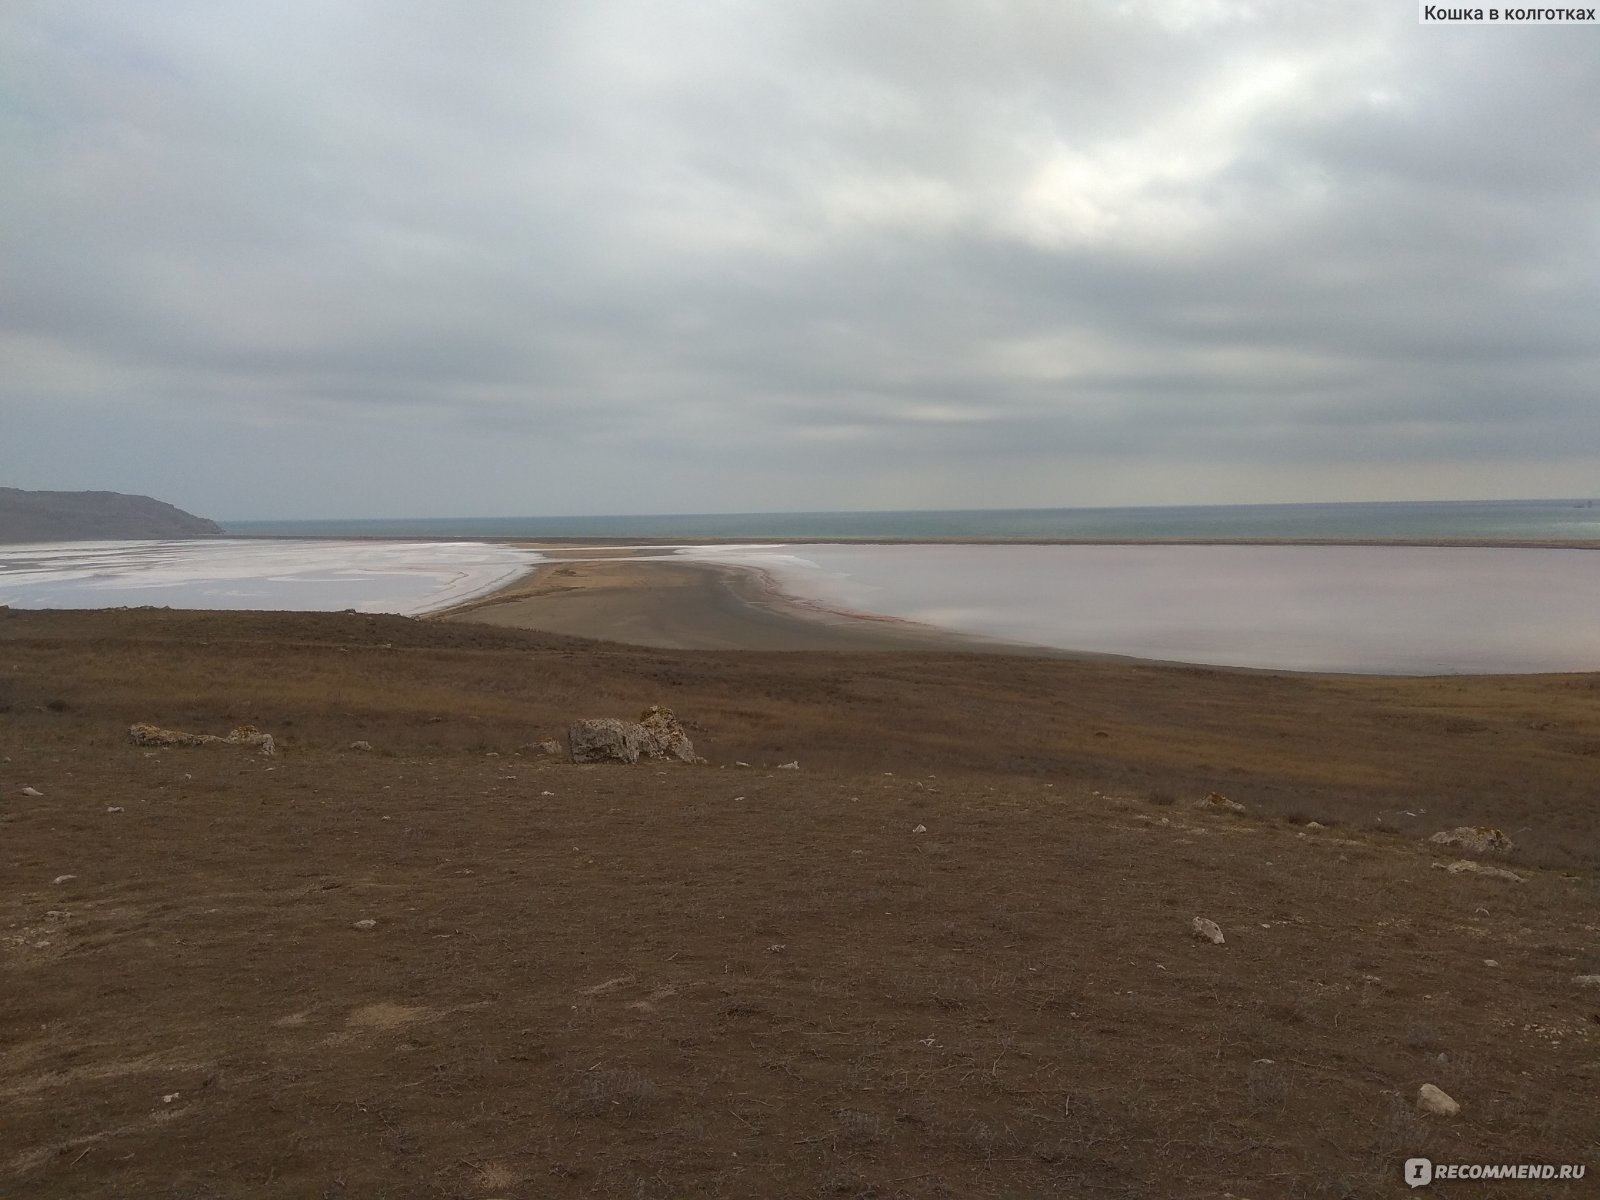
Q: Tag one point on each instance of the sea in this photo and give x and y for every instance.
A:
(1469, 520)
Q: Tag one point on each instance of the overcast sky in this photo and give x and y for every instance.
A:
(389, 258)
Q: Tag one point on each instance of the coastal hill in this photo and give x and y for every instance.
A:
(71, 516)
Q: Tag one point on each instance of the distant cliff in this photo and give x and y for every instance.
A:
(75, 516)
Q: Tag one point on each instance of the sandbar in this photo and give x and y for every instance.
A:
(702, 606)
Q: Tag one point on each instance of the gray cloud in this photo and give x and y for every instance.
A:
(412, 259)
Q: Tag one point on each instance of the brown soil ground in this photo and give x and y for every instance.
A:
(733, 981)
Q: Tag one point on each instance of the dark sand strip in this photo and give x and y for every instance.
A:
(700, 606)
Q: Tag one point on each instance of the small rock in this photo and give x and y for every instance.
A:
(1470, 866)
(366, 746)
(170, 1097)
(1217, 802)
(63, 879)
(1431, 1100)
(1207, 931)
(920, 829)
(777, 947)
(547, 793)
(1489, 962)
(249, 735)
(550, 746)
(1315, 825)
(111, 808)
(31, 791)
(366, 923)
(789, 766)
(1587, 980)
(1480, 839)
(243, 735)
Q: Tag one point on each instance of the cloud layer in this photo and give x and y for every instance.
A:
(396, 258)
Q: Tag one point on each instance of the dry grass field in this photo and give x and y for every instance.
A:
(739, 981)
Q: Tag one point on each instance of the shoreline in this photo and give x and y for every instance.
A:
(661, 543)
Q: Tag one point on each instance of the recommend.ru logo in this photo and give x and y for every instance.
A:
(1420, 1172)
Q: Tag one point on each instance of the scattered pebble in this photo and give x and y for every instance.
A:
(920, 829)
(366, 923)
(547, 793)
(789, 766)
(1207, 931)
(1431, 1100)
(361, 745)
(111, 808)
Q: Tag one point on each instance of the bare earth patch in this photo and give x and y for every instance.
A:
(728, 981)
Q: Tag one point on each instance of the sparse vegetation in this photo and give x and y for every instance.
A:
(571, 982)
(1422, 1036)
(609, 1092)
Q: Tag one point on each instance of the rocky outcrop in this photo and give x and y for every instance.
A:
(1477, 839)
(605, 739)
(69, 516)
(664, 736)
(655, 735)
(244, 735)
